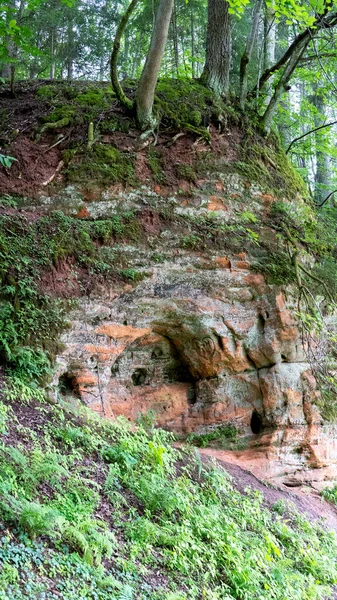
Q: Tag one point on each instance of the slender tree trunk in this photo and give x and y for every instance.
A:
(114, 56)
(218, 48)
(269, 45)
(149, 77)
(175, 39)
(192, 37)
(247, 54)
(70, 57)
(52, 53)
(322, 173)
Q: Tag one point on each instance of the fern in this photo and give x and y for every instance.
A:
(126, 593)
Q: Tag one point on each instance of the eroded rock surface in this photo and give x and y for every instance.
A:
(202, 341)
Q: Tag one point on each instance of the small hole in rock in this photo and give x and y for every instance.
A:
(191, 395)
(114, 369)
(156, 353)
(67, 386)
(256, 422)
(139, 377)
(125, 322)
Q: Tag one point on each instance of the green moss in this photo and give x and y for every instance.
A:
(46, 92)
(60, 113)
(154, 160)
(186, 171)
(103, 164)
(92, 97)
(187, 104)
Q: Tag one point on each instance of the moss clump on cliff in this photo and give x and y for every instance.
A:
(185, 104)
(104, 165)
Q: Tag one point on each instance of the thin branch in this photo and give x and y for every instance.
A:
(300, 137)
(326, 199)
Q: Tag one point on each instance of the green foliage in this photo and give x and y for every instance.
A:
(155, 162)
(6, 160)
(225, 437)
(78, 487)
(330, 493)
(191, 241)
(277, 267)
(186, 172)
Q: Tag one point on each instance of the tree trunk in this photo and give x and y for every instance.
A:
(175, 39)
(192, 38)
(218, 48)
(70, 48)
(149, 77)
(52, 54)
(114, 56)
(322, 174)
(248, 51)
(269, 45)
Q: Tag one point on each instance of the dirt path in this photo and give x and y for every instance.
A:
(306, 499)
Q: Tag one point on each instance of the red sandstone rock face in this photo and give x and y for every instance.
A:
(202, 347)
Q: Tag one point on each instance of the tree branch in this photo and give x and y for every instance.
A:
(320, 23)
(300, 137)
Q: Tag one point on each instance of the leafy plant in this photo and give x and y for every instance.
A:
(6, 160)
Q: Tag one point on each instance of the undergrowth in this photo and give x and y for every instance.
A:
(225, 437)
(95, 509)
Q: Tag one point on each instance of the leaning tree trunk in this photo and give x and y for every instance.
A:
(282, 86)
(149, 77)
(114, 56)
(218, 48)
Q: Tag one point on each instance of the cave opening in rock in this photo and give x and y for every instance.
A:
(67, 386)
(256, 424)
(139, 377)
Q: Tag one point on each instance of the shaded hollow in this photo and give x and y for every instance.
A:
(67, 386)
(256, 424)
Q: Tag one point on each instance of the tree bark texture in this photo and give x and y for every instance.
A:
(218, 48)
